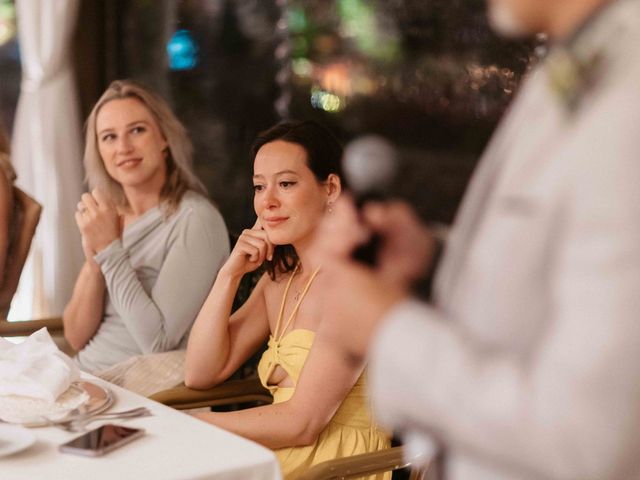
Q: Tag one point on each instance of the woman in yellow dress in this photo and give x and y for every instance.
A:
(320, 409)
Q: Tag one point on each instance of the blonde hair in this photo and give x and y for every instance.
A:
(180, 176)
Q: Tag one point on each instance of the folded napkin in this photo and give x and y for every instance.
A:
(35, 368)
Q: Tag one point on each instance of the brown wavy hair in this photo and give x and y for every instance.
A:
(180, 176)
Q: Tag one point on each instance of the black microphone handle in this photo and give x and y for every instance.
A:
(367, 253)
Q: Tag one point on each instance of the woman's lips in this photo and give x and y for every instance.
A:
(129, 162)
(274, 221)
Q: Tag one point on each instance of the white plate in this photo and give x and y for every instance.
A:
(14, 439)
(86, 397)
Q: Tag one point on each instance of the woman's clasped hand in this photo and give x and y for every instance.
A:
(99, 222)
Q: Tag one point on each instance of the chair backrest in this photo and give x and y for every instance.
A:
(28, 216)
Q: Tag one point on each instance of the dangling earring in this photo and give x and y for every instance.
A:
(329, 207)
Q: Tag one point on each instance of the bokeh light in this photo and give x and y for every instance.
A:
(183, 51)
(7, 21)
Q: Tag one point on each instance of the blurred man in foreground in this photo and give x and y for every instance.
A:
(527, 364)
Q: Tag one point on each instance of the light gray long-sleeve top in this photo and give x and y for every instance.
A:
(157, 278)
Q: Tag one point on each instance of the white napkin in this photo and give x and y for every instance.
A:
(35, 368)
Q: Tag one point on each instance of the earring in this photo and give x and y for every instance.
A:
(329, 207)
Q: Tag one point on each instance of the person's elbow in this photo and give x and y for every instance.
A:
(306, 427)
(198, 375)
(198, 381)
(76, 342)
(308, 436)
(193, 381)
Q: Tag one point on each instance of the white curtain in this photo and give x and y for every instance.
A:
(47, 153)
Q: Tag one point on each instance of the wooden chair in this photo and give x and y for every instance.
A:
(27, 327)
(251, 390)
(358, 466)
(28, 213)
(227, 393)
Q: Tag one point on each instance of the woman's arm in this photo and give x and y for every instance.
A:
(219, 343)
(98, 224)
(83, 313)
(158, 319)
(323, 385)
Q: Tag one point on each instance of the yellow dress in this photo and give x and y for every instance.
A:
(351, 431)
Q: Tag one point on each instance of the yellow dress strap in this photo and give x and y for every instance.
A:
(296, 308)
(284, 297)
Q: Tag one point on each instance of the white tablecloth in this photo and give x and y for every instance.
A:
(175, 447)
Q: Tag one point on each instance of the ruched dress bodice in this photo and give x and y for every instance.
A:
(351, 431)
(289, 353)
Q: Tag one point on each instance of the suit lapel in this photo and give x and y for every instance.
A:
(520, 139)
(528, 137)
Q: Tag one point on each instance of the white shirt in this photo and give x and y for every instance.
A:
(527, 366)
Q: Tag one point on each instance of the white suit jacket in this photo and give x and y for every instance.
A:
(527, 365)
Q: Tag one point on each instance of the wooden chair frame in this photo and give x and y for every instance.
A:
(28, 217)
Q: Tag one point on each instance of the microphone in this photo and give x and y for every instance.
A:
(370, 165)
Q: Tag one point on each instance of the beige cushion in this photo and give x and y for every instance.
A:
(147, 374)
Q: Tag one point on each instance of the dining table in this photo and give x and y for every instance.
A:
(175, 446)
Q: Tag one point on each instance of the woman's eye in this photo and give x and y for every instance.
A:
(287, 184)
(109, 137)
(258, 188)
(138, 129)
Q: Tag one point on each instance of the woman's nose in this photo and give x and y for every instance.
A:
(124, 144)
(270, 198)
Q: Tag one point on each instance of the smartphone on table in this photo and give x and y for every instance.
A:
(101, 440)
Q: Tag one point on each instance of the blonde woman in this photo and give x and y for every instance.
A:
(152, 240)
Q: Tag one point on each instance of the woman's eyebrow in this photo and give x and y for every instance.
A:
(110, 129)
(135, 122)
(281, 172)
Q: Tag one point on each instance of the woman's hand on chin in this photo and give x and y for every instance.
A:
(251, 250)
(98, 221)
